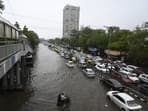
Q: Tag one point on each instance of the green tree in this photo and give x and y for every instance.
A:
(138, 48)
(73, 40)
(32, 36)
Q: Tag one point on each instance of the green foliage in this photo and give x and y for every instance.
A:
(135, 42)
(138, 47)
(119, 45)
(32, 36)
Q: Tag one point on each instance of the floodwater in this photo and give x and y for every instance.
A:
(49, 77)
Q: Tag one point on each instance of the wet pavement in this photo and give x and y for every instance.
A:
(49, 77)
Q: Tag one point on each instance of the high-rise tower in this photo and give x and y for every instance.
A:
(70, 19)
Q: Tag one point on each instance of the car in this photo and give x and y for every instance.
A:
(143, 88)
(111, 66)
(70, 64)
(114, 84)
(102, 68)
(138, 71)
(62, 54)
(127, 69)
(66, 56)
(132, 76)
(123, 64)
(143, 78)
(124, 101)
(97, 60)
(121, 77)
(89, 72)
(82, 64)
(132, 67)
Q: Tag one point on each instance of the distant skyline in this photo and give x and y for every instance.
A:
(45, 16)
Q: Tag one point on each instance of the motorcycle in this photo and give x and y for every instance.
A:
(63, 103)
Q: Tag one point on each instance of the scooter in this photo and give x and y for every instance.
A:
(64, 103)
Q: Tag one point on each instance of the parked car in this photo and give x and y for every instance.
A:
(127, 69)
(66, 56)
(132, 76)
(89, 72)
(138, 71)
(82, 64)
(114, 84)
(98, 60)
(143, 78)
(132, 67)
(121, 77)
(117, 62)
(111, 66)
(62, 54)
(143, 88)
(102, 68)
(124, 101)
(70, 64)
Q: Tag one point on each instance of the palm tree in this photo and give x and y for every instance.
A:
(1, 5)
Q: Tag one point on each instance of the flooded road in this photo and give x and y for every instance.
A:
(49, 77)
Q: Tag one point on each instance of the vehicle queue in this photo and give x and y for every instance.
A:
(116, 74)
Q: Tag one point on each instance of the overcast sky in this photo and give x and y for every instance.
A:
(45, 16)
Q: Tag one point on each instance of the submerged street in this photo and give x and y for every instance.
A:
(49, 77)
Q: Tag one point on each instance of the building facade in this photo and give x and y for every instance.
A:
(70, 19)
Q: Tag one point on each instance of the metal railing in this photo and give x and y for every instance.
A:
(8, 50)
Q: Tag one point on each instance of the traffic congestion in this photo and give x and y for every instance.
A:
(126, 84)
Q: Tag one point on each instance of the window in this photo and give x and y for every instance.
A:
(1, 30)
(13, 34)
(109, 82)
(119, 98)
(7, 31)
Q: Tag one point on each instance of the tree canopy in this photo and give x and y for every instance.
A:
(32, 36)
(135, 42)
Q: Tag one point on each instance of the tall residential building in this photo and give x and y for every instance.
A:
(70, 19)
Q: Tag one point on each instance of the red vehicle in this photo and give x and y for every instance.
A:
(121, 77)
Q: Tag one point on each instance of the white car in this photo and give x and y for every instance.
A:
(89, 72)
(101, 67)
(70, 64)
(124, 71)
(132, 67)
(133, 77)
(143, 78)
(128, 69)
(124, 101)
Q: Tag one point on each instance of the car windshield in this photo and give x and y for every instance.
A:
(132, 75)
(132, 103)
(90, 70)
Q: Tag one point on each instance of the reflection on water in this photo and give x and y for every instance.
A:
(40, 92)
